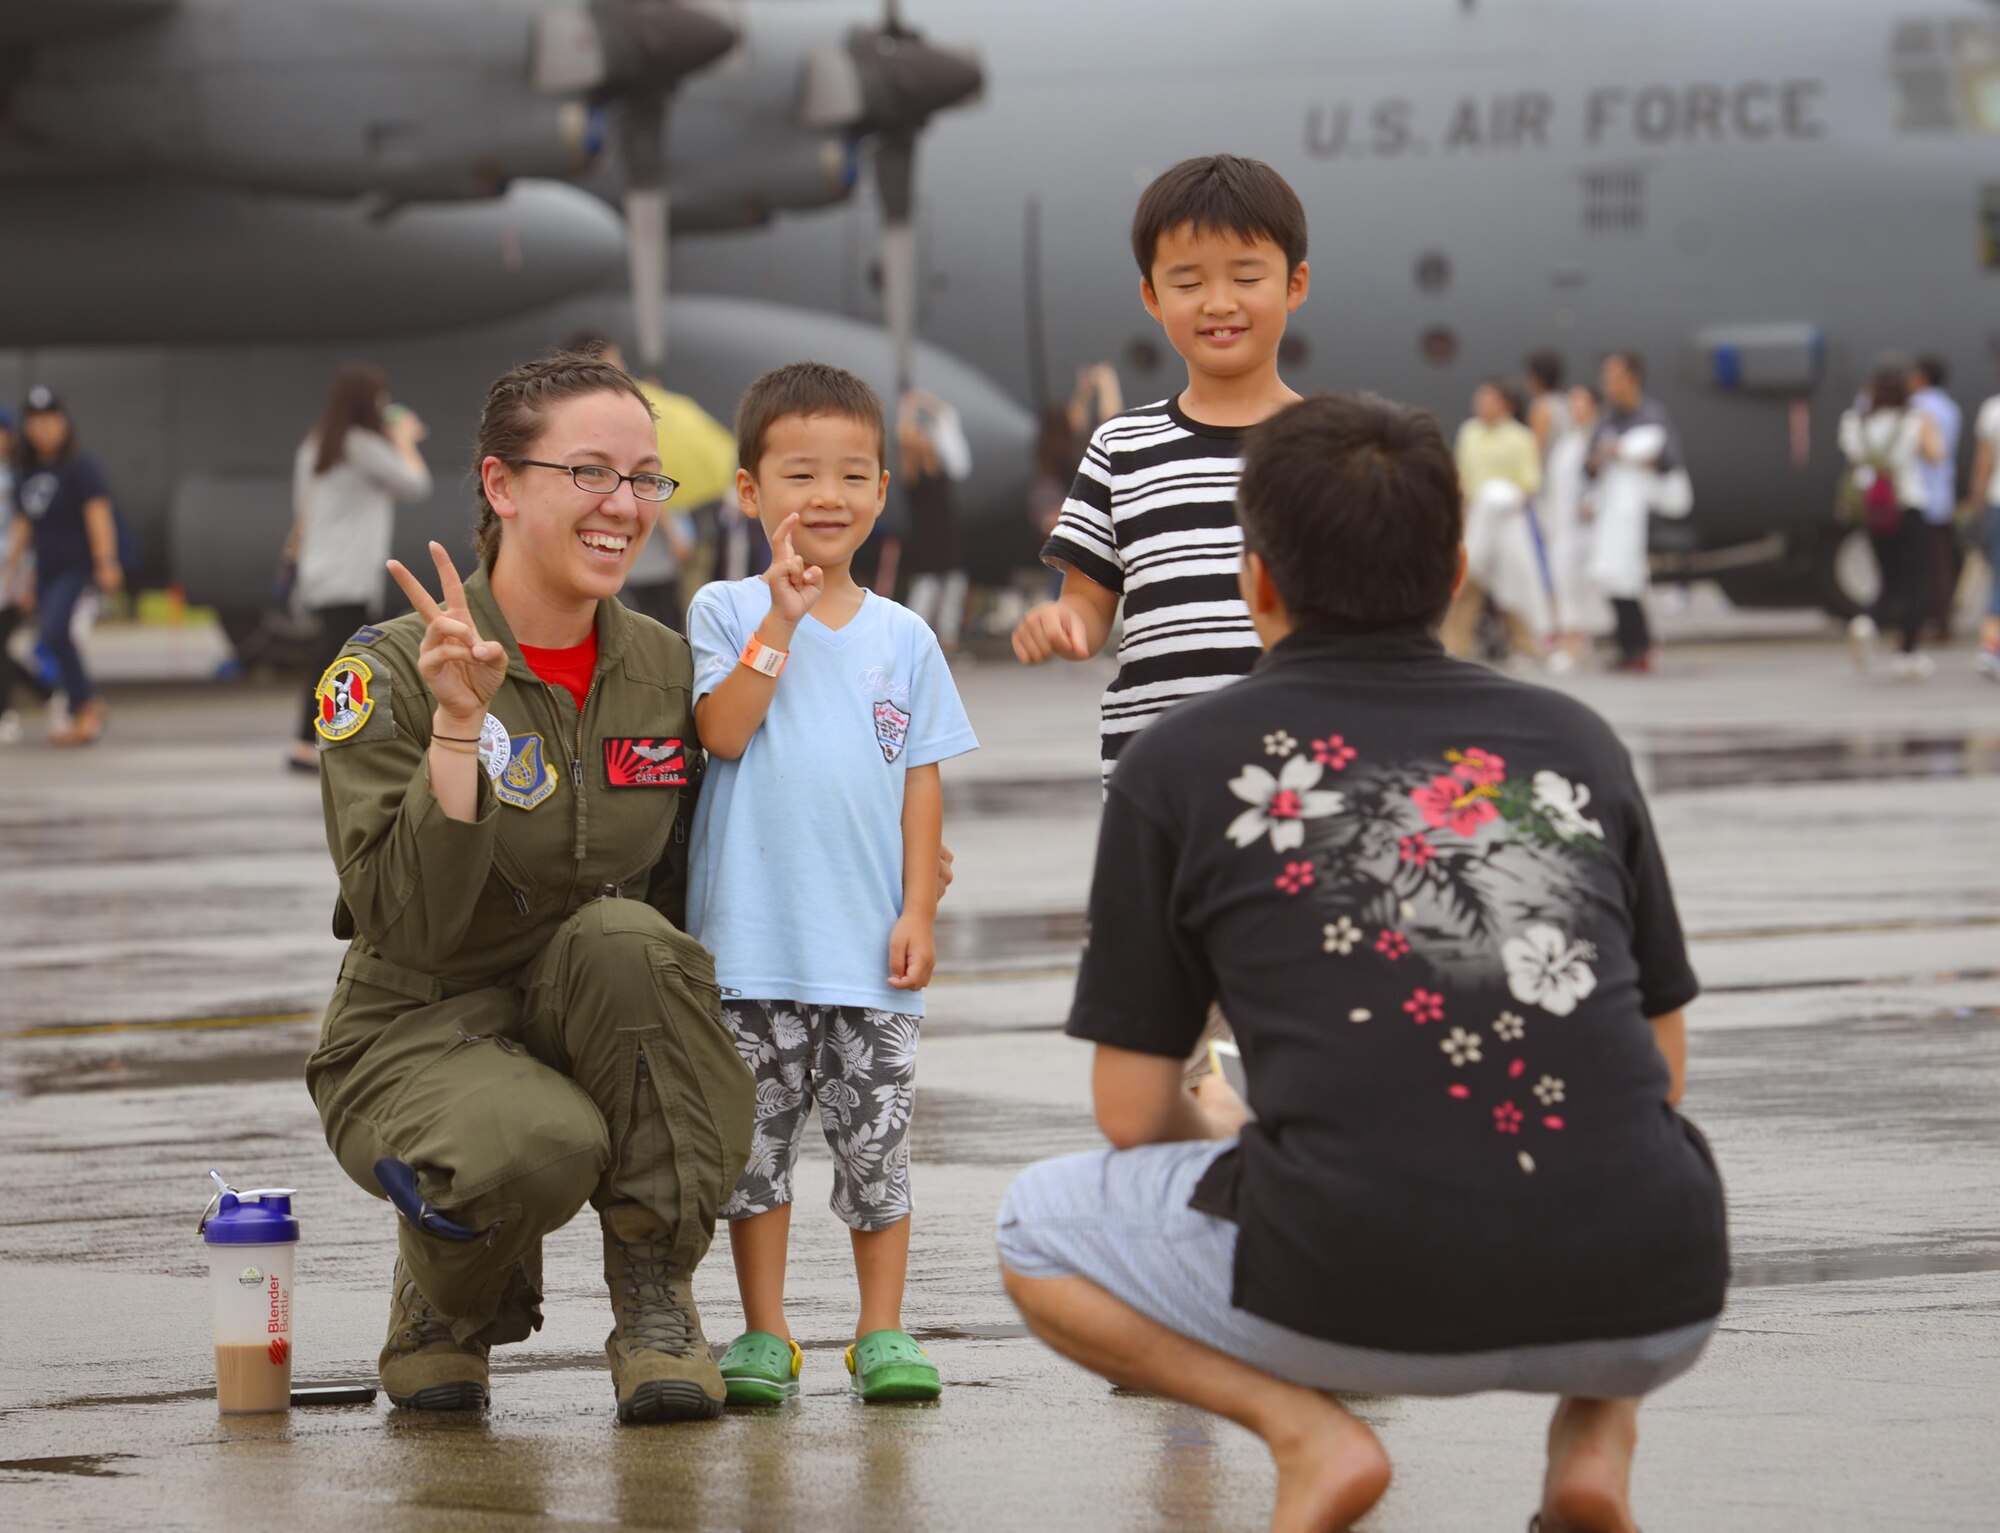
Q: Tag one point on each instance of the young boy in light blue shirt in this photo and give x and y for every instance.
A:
(813, 877)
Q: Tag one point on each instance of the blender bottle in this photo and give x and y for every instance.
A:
(252, 1239)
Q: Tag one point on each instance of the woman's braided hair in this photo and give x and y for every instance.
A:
(517, 410)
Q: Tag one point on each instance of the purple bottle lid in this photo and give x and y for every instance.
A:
(260, 1217)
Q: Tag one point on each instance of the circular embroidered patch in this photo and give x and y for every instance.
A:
(346, 698)
(495, 748)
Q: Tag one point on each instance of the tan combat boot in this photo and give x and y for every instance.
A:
(660, 1362)
(421, 1365)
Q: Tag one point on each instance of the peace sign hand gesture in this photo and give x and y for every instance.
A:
(795, 585)
(462, 670)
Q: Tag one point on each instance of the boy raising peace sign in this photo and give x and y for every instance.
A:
(813, 873)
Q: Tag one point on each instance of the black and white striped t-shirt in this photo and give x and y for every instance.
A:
(1152, 515)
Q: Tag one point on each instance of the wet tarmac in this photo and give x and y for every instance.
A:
(164, 950)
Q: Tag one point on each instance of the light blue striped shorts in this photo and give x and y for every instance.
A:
(1120, 1218)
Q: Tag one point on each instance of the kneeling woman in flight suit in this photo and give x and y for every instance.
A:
(520, 1025)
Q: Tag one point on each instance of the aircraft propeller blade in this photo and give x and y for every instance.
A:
(648, 47)
(887, 83)
(642, 124)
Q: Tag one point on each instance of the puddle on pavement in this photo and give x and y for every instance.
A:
(93, 1466)
(987, 940)
(1677, 764)
(1858, 1264)
(993, 798)
(1766, 760)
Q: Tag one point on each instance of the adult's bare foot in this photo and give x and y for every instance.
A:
(1331, 1469)
(1589, 1484)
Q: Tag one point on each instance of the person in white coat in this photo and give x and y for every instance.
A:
(357, 462)
(1888, 443)
(1636, 468)
(1574, 607)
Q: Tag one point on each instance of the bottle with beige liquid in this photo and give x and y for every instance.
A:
(252, 1240)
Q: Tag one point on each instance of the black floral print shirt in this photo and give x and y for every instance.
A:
(1430, 901)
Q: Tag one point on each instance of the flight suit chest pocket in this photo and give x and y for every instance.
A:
(630, 833)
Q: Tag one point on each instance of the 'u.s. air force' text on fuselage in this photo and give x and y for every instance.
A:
(1611, 116)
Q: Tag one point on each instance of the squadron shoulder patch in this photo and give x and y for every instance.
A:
(529, 776)
(351, 696)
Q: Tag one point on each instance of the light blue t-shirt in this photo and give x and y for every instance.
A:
(1940, 478)
(795, 875)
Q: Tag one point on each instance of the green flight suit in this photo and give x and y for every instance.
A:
(519, 1015)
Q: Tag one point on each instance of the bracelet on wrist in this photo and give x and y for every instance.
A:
(458, 739)
(763, 658)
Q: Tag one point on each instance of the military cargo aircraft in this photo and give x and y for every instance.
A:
(206, 204)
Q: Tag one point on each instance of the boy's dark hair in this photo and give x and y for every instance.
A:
(1220, 194)
(1933, 370)
(805, 388)
(1545, 367)
(1352, 502)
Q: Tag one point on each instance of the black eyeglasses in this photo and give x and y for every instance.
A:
(602, 479)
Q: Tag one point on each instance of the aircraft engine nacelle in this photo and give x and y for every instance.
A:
(339, 98)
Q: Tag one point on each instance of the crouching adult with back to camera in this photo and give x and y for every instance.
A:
(520, 1024)
(1431, 901)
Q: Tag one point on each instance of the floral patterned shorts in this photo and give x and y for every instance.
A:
(860, 1065)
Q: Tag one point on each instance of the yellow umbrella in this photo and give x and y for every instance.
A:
(695, 448)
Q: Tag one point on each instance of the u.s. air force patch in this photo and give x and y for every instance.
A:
(351, 697)
(528, 777)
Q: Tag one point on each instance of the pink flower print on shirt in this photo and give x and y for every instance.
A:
(1424, 1006)
(1392, 945)
(1450, 803)
(1507, 1118)
(1479, 767)
(1415, 850)
(1333, 753)
(1297, 876)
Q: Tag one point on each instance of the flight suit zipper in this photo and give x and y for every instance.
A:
(575, 736)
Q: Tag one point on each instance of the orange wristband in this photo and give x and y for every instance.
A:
(763, 659)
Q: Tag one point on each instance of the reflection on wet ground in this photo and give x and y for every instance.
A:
(1684, 762)
(163, 954)
(90, 1465)
(1725, 760)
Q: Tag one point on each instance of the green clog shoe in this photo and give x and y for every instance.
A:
(761, 1369)
(889, 1365)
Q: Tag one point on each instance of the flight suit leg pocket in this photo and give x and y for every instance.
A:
(705, 1091)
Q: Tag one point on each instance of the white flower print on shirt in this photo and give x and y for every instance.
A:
(1281, 805)
(1463, 1047)
(1548, 1091)
(1278, 743)
(1546, 969)
(1508, 1027)
(1564, 802)
(1342, 936)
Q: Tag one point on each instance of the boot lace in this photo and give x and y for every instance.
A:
(422, 1324)
(655, 1314)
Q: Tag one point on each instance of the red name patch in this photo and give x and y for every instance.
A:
(645, 764)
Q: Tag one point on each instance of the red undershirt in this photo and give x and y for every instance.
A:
(570, 669)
